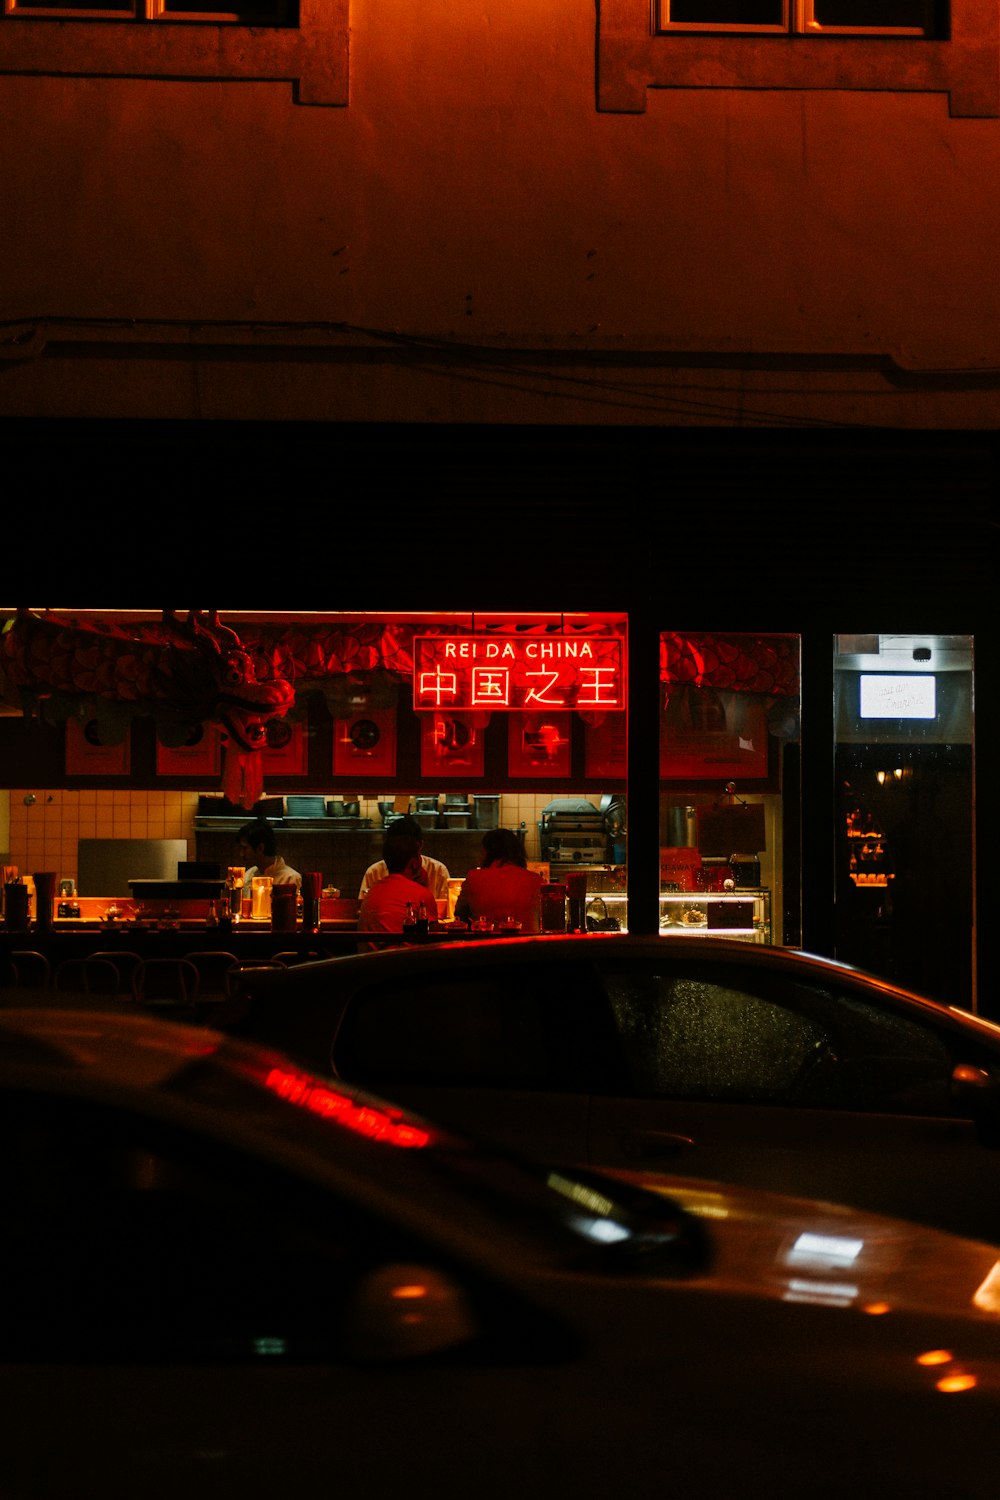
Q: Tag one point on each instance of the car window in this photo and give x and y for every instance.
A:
(701, 1034)
(125, 1238)
(524, 1026)
(688, 1038)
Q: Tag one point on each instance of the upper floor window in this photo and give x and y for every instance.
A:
(304, 43)
(245, 12)
(917, 18)
(947, 47)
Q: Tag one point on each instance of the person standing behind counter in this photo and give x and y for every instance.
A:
(257, 841)
(502, 886)
(431, 872)
(384, 907)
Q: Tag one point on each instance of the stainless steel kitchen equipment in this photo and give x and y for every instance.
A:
(486, 811)
(572, 832)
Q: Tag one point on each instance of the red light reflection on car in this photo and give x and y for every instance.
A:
(366, 1119)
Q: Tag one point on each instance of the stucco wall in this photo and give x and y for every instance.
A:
(470, 239)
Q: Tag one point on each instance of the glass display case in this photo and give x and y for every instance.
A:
(741, 914)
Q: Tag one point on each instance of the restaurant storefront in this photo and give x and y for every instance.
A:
(806, 789)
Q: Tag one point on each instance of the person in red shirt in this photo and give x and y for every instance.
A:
(503, 886)
(384, 909)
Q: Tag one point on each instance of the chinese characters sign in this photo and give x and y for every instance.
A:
(521, 674)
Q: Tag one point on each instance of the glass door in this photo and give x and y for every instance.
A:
(904, 774)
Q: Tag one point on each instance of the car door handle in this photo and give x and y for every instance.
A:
(653, 1143)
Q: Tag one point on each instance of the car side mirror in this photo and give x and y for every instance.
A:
(405, 1311)
(977, 1091)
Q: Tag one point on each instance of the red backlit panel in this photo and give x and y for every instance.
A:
(518, 673)
(366, 1119)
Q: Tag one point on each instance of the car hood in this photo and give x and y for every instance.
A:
(799, 1250)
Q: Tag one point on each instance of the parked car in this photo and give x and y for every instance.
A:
(752, 1064)
(225, 1277)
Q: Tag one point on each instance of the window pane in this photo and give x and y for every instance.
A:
(85, 7)
(723, 12)
(729, 778)
(884, 15)
(689, 1039)
(452, 1030)
(249, 11)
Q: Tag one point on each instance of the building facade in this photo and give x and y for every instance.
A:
(740, 214)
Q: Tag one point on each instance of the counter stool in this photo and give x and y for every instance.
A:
(86, 976)
(213, 966)
(166, 984)
(31, 970)
(125, 963)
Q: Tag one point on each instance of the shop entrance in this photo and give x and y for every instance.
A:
(905, 845)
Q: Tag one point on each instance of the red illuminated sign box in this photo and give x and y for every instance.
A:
(518, 674)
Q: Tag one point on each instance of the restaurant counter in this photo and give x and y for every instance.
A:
(247, 941)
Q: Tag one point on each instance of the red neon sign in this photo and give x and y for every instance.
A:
(518, 674)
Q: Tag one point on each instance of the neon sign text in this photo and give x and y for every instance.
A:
(516, 674)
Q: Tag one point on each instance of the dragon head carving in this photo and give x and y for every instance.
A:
(183, 672)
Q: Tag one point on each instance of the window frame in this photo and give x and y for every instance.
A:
(798, 19)
(137, 11)
(633, 56)
(313, 56)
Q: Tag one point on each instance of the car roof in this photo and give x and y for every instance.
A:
(350, 971)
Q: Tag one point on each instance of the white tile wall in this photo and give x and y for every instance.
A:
(43, 834)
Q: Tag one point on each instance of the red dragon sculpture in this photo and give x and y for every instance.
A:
(184, 672)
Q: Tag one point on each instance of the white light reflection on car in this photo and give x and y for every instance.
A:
(987, 1294)
(598, 1224)
(826, 1293)
(822, 1252)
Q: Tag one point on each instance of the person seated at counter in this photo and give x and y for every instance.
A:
(433, 874)
(257, 842)
(384, 909)
(502, 886)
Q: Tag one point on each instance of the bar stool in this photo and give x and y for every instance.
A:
(213, 965)
(32, 970)
(166, 984)
(125, 961)
(86, 976)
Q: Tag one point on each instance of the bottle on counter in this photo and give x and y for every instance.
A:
(409, 922)
(423, 921)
